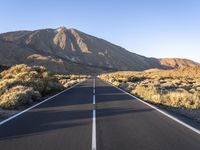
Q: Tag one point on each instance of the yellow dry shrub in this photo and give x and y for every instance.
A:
(15, 70)
(177, 88)
(36, 77)
(150, 93)
(18, 96)
(30, 79)
(182, 99)
(69, 80)
(8, 83)
(20, 83)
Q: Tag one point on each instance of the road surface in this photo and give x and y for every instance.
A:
(95, 116)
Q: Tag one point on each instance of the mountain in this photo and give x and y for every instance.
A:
(70, 50)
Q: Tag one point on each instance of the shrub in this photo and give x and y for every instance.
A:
(8, 83)
(18, 96)
(177, 88)
(125, 86)
(182, 99)
(151, 93)
(22, 84)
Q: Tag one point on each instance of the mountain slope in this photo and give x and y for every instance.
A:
(61, 47)
(11, 54)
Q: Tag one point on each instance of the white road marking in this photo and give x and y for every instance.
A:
(94, 120)
(94, 131)
(93, 99)
(161, 111)
(20, 113)
(93, 90)
(94, 83)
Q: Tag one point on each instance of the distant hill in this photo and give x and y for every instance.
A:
(70, 50)
(178, 63)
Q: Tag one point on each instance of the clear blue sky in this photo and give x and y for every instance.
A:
(158, 28)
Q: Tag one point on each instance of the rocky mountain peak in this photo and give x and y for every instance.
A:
(61, 29)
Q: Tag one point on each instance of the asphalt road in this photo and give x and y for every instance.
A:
(104, 119)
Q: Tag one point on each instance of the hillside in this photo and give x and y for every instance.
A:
(70, 50)
(177, 62)
(11, 54)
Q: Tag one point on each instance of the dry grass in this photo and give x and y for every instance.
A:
(177, 88)
(18, 96)
(21, 84)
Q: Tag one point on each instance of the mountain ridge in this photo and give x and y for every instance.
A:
(70, 46)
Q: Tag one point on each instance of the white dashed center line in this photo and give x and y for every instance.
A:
(94, 120)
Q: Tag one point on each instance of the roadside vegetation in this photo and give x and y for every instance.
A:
(176, 88)
(22, 85)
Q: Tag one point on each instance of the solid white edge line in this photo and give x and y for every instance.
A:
(20, 113)
(94, 121)
(159, 110)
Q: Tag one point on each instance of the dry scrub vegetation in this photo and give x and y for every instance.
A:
(21, 85)
(177, 88)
